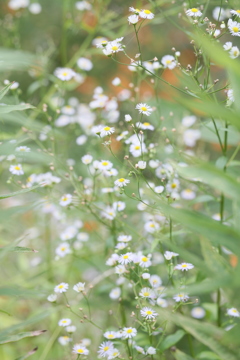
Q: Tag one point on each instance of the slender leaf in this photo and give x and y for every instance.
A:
(171, 340)
(20, 192)
(17, 337)
(4, 109)
(28, 354)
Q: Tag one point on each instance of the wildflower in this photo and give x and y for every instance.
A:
(155, 281)
(137, 148)
(16, 169)
(71, 329)
(129, 333)
(235, 12)
(65, 200)
(146, 14)
(64, 322)
(219, 14)
(115, 293)
(191, 136)
(151, 350)
(87, 159)
(104, 348)
(120, 269)
(116, 81)
(52, 298)
(159, 189)
(64, 74)
(145, 262)
(198, 312)
(119, 205)
(151, 226)
(64, 340)
(140, 350)
(107, 131)
(81, 140)
(142, 165)
(18, 4)
(136, 11)
(113, 47)
(188, 121)
(35, 8)
(124, 238)
(121, 182)
(23, 149)
(133, 19)
(169, 62)
(110, 335)
(233, 312)
(230, 95)
(169, 255)
(84, 64)
(148, 313)
(188, 194)
(63, 249)
(180, 297)
(193, 12)
(61, 288)
(80, 349)
(234, 27)
(234, 52)
(161, 302)
(79, 287)
(128, 118)
(184, 266)
(125, 259)
(144, 109)
(145, 126)
(146, 276)
(147, 293)
(105, 165)
(113, 354)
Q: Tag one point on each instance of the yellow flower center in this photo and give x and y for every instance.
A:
(65, 73)
(63, 248)
(152, 225)
(145, 259)
(106, 348)
(234, 310)
(146, 293)
(149, 312)
(146, 124)
(17, 168)
(168, 62)
(235, 29)
(107, 128)
(188, 190)
(180, 295)
(80, 351)
(105, 163)
(143, 108)
(194, 10)
(137, 147)
(173, 186)
(110, 336)
(121, 180)
(125, 256)
(129, 331)
(147, 12)
(64, 198)
(184, 265)
(60, 286)
(114, 48)
(238, 11)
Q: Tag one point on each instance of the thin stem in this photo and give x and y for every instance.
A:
(139, 47)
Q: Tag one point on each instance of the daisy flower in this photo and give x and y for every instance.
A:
(87, 159)
(193, 12)
(61, 288)
(144, 109)
(113, 47)
(180, 297)
(234, 27)
(159, 189)
(65, 200)
(235, 12)
(115, 293)
(119, 205)
(234, 52)
(84, 64)
(124, 238)
(52, 298)
(184, 266)
(64, 340)
(105, 348)
(230, 95)
(169, 62)
(145, 126)
(110, 335)
(16, 169)
(120, 269)
(169, 255)
(129, 333)
(133, 19)
(63, 249)
(151, 350)
(151, 226)
(147, 293)
(80, 350)
(233, 312)
(198, 312)
(107, 130)
(71, 329)
(113, 354)
(128, 117)
(146, 14)
(79, 287)
(64, 74)
(142, 165)
(136, 149)
(105, 165)
(162, 302)
(23, 149)
(64, 322)
(125, 259)
(121, 182)
(148, 313)
(145, 262)
(155, 281)
(136, 11)
(188, 194)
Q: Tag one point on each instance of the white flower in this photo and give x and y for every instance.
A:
(234, 52)
(188, 194)
(110, 335)
(234, 27)
(120, 269)
(35, 8)
(169, 62)
(180, 297)
(233, 312)
(119, 205)
(87, 159)
(121, 182)
(113, 353)
(145, 262)
(63, 249)
(184, 266)
(146, 14)
(79, 287)
(121, 246)
(169, 255)
(151, 350)
(61, 288)
(128, 118)
(140, 350)
(155, 281)
(81, 140)
(65, 200)
(115, 293)
(191, 136)
(52, 298)
(64, 340)
(161, 302)
(147, 293)
(18, 4)
(148, 313)
(104, 348)
(219, 14)
(193, 12)
(188, 121)
(113, 47)
(23, 149)
(80, 349)
(105, 165)
(146, 276)
(107, 131)
(133, 19)
(142, 165)
(124, 238)
(137, 148)
(84, 64)
(64, 322)
(144, 109)
(159, 189)
(198, 312)
(129, 333)
(145, 126)
(64, 74)
(116, 81)
(125, 259)
(227, 46)
(235, 12)
(71, 329)
(16, 169)
(230, 95)
(151, 226)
